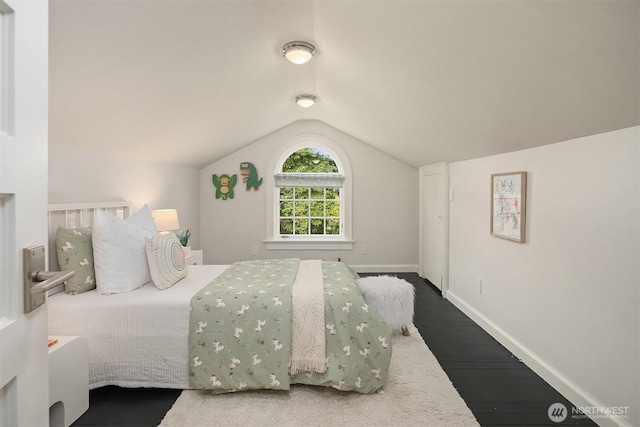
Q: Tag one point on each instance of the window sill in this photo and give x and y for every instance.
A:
(308, 244)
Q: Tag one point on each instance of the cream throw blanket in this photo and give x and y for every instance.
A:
(307, 329)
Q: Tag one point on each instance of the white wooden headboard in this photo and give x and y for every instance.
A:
(77, 215)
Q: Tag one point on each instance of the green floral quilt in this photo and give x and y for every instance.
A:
(240, 331)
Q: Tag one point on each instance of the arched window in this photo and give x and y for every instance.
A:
(310, 195)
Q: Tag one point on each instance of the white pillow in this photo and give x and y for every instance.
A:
(166, 260)
(119, 250)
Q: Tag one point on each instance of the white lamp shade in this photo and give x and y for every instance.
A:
(166, 219)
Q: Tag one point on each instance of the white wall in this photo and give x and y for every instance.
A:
(567, 300)
(80, 175)
(385, 205)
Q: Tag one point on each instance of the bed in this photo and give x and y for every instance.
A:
(151, 338)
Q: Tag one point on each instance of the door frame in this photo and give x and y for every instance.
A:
(436, 169)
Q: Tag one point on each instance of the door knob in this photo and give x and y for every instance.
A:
(37, 281)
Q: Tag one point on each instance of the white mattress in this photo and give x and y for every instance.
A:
(136, 339)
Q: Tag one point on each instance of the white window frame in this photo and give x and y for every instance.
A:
(273, 239)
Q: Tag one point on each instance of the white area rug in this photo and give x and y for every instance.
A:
(419, 393)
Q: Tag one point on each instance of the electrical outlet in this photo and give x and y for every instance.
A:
(478, 285)
(363, 248)
(254, 250)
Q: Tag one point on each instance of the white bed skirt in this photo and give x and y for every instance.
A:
(136, 339)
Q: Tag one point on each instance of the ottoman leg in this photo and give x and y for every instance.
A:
(405, 331)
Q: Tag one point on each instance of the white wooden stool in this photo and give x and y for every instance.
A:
(392, 298)
(68, 380)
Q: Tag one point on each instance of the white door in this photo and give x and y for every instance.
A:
(24, 374)
(432, 238)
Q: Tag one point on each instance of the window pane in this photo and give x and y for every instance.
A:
(309, 160)
(302, 193)
(333, 209)
(333, 226)
(302, 226)
(317, 226)
(302, 208)
(333, 193)
(286, 208)
(317, 208)
(286, 193)
(286, 226)
(317, 193)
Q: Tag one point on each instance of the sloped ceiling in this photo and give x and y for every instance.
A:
(188, 82)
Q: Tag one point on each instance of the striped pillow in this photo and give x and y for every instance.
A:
(166, 260)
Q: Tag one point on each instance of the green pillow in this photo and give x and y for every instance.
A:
(75, 253)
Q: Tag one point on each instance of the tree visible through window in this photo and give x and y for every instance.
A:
(309, 194)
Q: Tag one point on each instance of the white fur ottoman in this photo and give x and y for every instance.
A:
(392, 298)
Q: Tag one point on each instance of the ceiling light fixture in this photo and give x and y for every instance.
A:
(305, 101)
(298, 52)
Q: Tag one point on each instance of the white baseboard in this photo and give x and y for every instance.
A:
(563, 385)
(396, 268)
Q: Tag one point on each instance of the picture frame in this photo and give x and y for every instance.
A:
(509, 205)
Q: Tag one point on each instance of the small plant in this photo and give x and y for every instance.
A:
(183, 236)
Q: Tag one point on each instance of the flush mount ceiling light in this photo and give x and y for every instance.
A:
(305, 101)
(298, 52)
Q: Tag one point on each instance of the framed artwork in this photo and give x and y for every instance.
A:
(509, 205)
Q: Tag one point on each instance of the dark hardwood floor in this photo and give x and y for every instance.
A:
(497, 387)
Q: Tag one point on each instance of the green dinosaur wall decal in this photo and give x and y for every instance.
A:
(224, 185)
(250, 175)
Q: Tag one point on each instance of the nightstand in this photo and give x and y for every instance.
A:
(68, 380)
(193, 258)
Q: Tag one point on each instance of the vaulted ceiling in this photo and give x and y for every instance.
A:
(189, 82)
